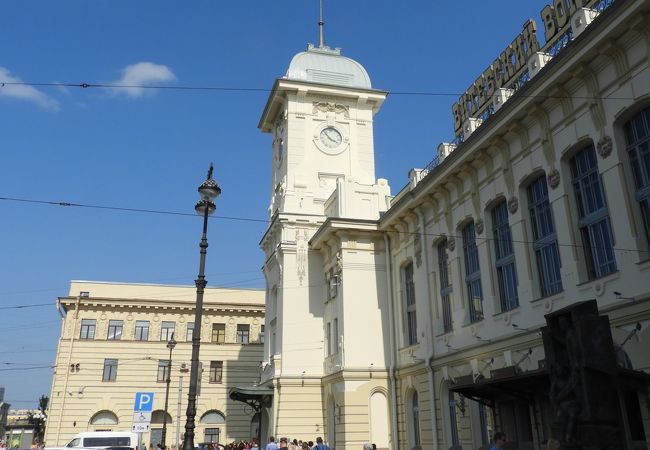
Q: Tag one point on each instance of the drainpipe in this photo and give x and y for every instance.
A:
(430, 356)
(67, 368)
(393, 346)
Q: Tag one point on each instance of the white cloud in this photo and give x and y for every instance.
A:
(142, 74)
(24, 92)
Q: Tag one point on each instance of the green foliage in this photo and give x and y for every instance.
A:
(39, 419)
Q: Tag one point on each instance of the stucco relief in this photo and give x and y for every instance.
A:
(451, 244)
(417, 242)
(331, 107)
(301, 254)
(605, 146)
(513, 205)
(479, 226)
(554, 178)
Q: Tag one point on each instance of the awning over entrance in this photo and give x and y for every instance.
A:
(256, 397)
(509, 383)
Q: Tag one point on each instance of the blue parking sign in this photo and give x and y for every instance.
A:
(143, 401)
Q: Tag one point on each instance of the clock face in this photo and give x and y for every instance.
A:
(330, 137)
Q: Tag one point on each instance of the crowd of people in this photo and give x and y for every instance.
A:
(283, 444)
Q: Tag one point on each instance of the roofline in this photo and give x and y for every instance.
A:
(297, 83)
(519, 97)
(126, 283)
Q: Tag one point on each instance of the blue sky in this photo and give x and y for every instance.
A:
(151, 149)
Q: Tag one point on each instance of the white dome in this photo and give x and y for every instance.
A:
(327, 66)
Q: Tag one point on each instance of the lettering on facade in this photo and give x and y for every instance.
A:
(509, 69)
(500, 74)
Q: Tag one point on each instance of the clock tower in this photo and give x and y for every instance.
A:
(324, 207)
(320, 115)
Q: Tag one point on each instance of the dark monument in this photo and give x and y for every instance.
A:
(583, 370)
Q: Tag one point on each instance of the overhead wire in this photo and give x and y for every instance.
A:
(266, 90)
(439, 235)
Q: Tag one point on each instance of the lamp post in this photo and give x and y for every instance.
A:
(209, 191)
(170, 345)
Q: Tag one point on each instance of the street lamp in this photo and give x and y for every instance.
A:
(170, 345)
(209, 191)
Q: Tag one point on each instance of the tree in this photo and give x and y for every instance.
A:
(39, 418)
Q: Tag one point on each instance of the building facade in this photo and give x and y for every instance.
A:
(416, 321)
(114, 343)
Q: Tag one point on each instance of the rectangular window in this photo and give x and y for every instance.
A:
(211, 435)
(445, 287)
(472, 274)
(335, 336)
(505, 258)
(87, 329)
(593, 216)
(141, 330)
(453, 422)
(114, 330)
(190, 331)
(410, 326)
(110, 370)
(262, 334)
(545, 246)
(243, 333)
(167, 330)
(637, 140)
(163, 370)
(216, 371)
(219, 333)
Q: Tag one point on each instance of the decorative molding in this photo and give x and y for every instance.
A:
(513, 205)
(417, 242)
(451, 243)
(605, 146)
(301, 254)
(553, 178)
(331, 107)
(479, 226)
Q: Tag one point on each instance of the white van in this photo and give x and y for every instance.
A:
(101, 439)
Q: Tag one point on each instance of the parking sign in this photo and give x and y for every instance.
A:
(143, 401)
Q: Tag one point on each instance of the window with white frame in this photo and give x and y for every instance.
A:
(141, 330)
(547, 254)
(637, 144)
(410, 313)
(167, 330)
(87, 329)
(115, 330)
(110, 370)
(262, 334)
(472, 273)
(164, 368)
(445, 286)
(335, 336)
(189, 332)
(505, 257)
(243, 333)
(593, 221)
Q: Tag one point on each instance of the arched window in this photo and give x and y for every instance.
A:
(213, 417)
(104, 418)
(158, 416)
(593, 217)
(505, 257)
(472, 273)
(410, 314)
(637, 144)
